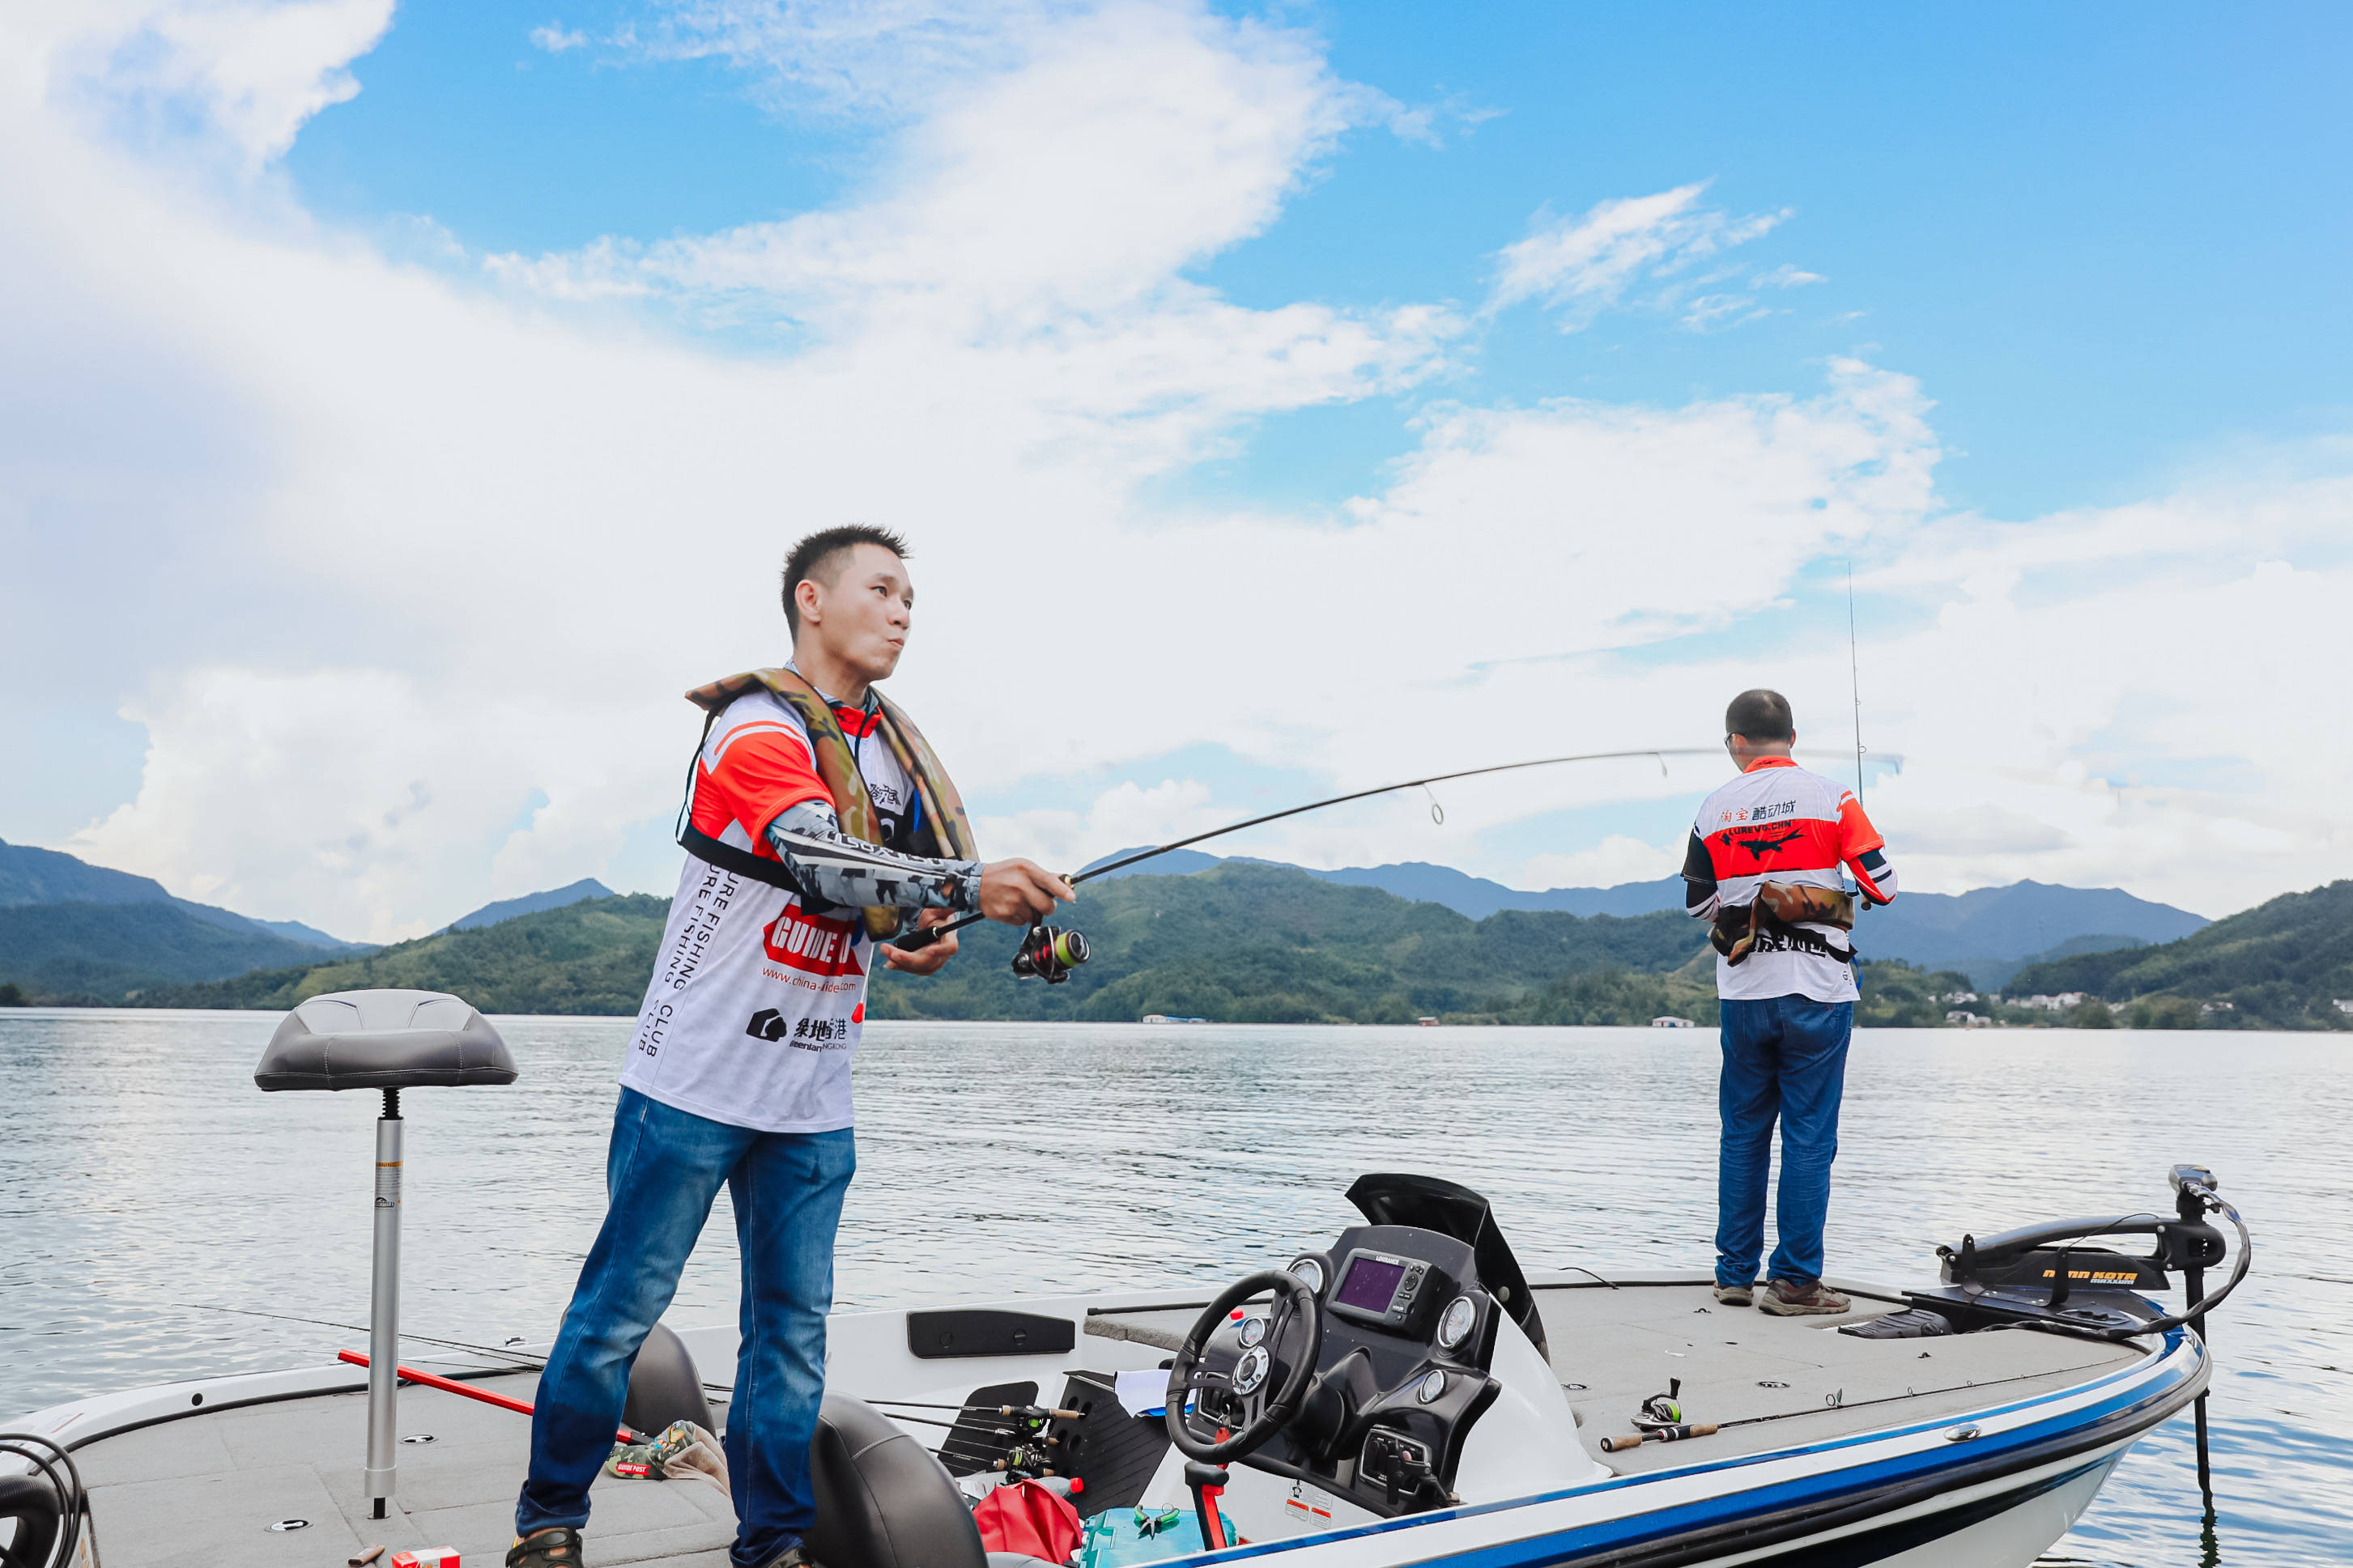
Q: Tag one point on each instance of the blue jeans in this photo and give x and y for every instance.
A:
(662, 1174)
(1784, 1056)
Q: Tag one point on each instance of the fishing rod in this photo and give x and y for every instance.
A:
(1854, 679)
(1050, 952)
(1677, 1431)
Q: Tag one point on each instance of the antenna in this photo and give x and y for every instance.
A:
(1854, 675)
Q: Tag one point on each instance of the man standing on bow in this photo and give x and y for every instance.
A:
(818, 825)
(1764, 866)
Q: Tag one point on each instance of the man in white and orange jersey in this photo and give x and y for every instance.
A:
(1764, 866)
(817, 825)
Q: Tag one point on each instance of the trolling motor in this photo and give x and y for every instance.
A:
(1049, 953)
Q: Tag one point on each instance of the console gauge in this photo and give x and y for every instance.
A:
(1430, 1387)
(1253, 1331)
(1462, 1315)
(1309, 1271)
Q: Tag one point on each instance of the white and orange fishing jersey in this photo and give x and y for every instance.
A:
(1780, 822)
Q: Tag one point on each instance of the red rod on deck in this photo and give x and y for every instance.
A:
(451, 1385)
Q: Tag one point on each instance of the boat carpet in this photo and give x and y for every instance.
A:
(1612, 1349)
(206, 1487)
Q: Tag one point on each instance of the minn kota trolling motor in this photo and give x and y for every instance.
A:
(1050, 952)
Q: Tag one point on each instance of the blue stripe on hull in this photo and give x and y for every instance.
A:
(1760, 1517)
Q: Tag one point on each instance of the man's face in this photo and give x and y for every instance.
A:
(860, 618)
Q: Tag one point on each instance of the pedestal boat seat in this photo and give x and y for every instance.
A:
(385, 1040)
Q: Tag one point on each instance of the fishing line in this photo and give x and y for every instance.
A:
(529, 1363)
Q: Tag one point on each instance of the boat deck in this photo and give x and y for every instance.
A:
(204, 1487)
(1624, 1344)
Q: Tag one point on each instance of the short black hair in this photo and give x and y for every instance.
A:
(819, 556)
(1760, 715)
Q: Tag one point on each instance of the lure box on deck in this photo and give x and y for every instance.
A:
(1115, 1540)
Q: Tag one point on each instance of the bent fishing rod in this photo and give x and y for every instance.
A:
(1050, 952)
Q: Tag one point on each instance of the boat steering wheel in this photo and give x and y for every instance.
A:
(1264, 1409)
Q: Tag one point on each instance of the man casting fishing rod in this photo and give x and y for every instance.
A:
(817, 825)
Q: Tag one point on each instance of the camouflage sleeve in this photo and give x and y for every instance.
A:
(828, 864)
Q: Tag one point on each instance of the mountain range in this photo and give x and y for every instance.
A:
(1988, 933)
(70, 932)
(531, 904)
(1245, 943)
(1241, 944)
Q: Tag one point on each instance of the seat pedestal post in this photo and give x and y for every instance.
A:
(383, 1311)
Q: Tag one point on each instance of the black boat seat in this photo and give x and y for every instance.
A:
(384, 1039)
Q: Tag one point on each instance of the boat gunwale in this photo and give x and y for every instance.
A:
(2139, 1410)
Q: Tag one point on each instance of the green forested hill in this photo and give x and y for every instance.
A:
(1246, 943)
(85, 951)
(2280, 965)
(590, 957)
(1241, 944)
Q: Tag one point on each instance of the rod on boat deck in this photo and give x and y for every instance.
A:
(451, 1385)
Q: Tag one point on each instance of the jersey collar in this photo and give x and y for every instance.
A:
(1770, 763)
(857, 722)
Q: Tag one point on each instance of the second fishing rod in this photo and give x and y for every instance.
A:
(1050, 953)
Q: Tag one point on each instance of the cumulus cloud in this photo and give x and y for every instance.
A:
(244, 74)
(406, 565)
(556, 40)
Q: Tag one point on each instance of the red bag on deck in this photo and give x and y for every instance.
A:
(1024, 1517)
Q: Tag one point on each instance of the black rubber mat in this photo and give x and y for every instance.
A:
(1112, 1452)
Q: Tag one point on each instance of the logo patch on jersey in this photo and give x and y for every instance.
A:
(1759, 844)
(814, 944)
(767, 1024)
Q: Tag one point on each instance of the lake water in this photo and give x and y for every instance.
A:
(146, 1186)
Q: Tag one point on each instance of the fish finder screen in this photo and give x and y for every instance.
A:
(1370, 1285)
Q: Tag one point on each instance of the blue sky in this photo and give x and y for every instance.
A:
(1318, 390)
(2106, 239)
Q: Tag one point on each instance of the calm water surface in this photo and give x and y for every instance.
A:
(143, 1180)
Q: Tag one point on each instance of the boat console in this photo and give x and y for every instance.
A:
(1376, 1360)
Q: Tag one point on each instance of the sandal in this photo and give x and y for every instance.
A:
(558, 1546)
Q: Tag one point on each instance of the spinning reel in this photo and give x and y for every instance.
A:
(1049, 953)
(1663, 1410)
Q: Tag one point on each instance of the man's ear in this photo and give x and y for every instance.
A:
(810, 600)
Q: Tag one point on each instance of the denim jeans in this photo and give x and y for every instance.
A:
(1784, 1056)
(662, 1174)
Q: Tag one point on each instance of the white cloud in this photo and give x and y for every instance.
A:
(1581, 266)
(388, 553)
(1617, 858)
(248, 74)
(890, 57)
(556, 40)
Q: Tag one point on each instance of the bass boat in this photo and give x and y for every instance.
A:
(1403, 1393)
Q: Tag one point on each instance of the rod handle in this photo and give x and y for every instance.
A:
(1664, 1434)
